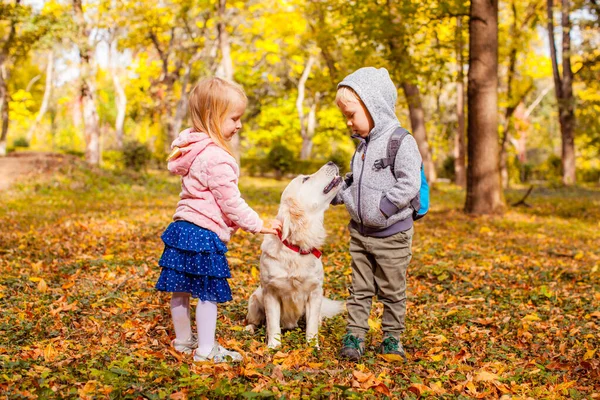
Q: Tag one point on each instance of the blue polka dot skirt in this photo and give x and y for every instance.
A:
(194, 262)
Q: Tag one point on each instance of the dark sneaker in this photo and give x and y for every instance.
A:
(353, 347)
(391, 345)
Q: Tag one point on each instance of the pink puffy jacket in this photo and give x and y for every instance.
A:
(210, 197)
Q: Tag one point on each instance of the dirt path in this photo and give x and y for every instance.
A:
(17, 166)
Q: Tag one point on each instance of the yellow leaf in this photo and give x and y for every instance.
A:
(436, 357)
(42, 286)
(374, 325)
(589, 354)
(68, 285)
(108, 256)
(34, 279)
(254, 272)
(531, 317)
(452, 311)
(391, 357)
(485, 376)
(579, 255)
(49, 352)
(236, 328)
(471, 386)
(485, 229)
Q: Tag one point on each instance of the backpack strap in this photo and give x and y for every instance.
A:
(393, 146)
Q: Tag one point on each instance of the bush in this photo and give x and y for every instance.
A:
(21, 142)
(136, 155)
(255, 166)
(281, 160)
(447, 170)
(113, 160)
(342, 160)
(591, 175)
(307, 167)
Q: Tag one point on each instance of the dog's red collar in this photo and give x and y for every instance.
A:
(313, 251)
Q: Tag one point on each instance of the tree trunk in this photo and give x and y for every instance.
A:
(87, 89)
(306, 137)
(567, 114)
(121, 103)
(4, 95)
(46, 98)
(182, 104)
(563, 87)
(4, 104)
(311, 126)
(484, 193)
(417, 123)
(460, 177)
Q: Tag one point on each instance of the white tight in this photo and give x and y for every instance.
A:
(206, 321)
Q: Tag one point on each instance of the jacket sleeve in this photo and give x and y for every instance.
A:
(408, 172)
(222, 182)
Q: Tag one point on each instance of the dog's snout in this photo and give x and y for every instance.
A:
(330, 163)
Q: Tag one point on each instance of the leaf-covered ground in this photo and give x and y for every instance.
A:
(498, 306)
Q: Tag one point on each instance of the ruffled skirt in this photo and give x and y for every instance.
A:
(194, 262)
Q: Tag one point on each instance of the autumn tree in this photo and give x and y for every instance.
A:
(20, 30)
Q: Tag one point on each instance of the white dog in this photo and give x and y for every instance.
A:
(291, 272)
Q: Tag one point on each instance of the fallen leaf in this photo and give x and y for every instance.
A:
(485, 376)
(418, 389)
(589, 354)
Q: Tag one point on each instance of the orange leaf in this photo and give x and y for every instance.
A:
(418, 389)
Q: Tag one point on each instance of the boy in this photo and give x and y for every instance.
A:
(378, 201)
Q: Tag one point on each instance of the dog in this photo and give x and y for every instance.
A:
(291, 271)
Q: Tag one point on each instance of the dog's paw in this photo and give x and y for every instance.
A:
(274, 344)
(249, 328)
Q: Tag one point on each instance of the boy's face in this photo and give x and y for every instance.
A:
(358, 117)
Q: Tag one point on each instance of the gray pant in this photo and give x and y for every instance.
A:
(378, 268)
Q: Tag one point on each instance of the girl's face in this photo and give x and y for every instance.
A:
(233, 120)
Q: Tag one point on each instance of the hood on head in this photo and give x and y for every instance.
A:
(190, 144)
(377, 91)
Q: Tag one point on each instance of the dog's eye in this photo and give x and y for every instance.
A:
(305, 179)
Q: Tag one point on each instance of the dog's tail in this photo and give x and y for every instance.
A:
(331, 308)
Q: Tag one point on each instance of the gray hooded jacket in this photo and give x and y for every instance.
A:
(378, 202)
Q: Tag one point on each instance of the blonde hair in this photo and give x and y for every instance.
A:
(210, 101)
(345, 95)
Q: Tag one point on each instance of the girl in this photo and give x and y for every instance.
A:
(209, 212)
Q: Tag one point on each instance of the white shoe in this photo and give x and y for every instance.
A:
(219, 354)
(186, 346)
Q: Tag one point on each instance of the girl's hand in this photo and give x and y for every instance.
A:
(271, 227)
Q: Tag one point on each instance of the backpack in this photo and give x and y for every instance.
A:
(420, 203)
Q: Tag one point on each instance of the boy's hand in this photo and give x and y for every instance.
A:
(272, 227)
(349, 179)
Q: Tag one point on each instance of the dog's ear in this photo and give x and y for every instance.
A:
(285, 225)
(292, 215)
